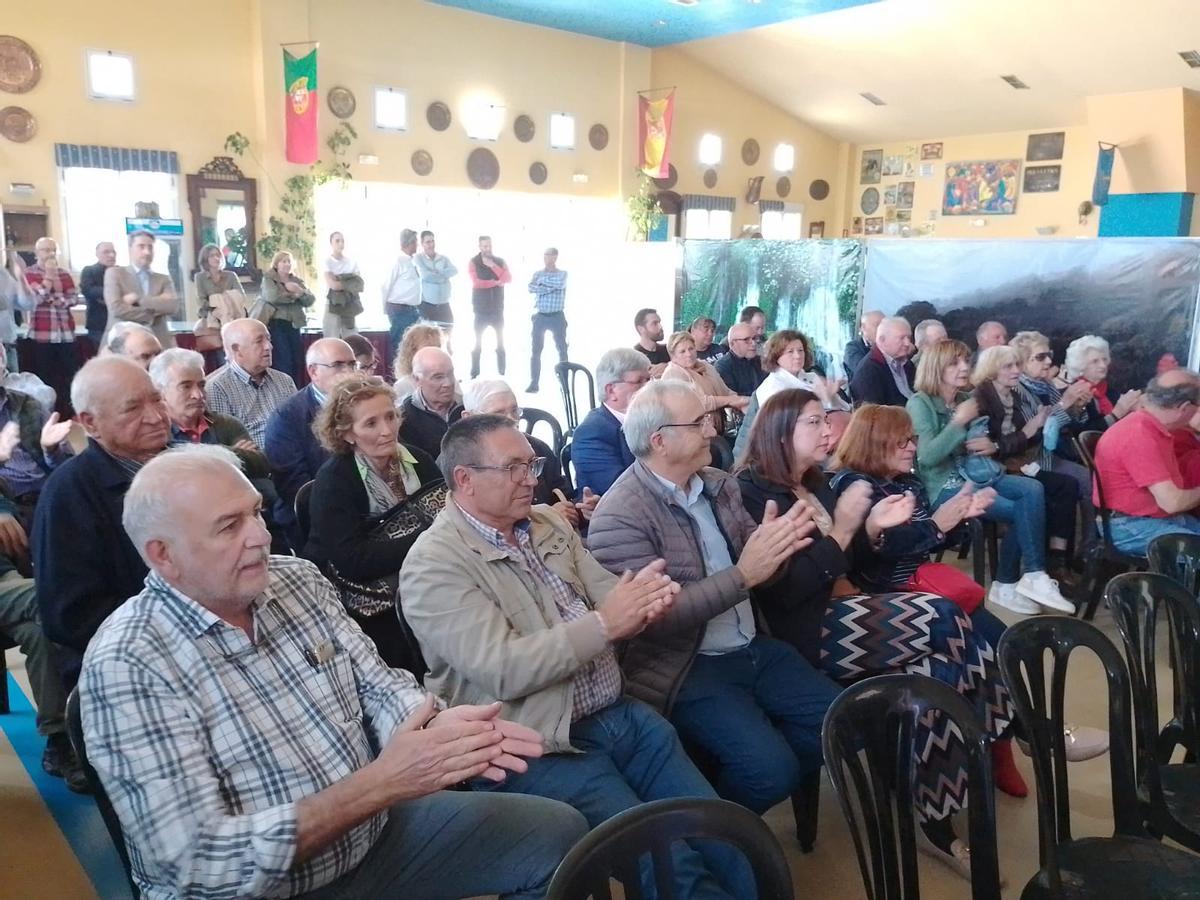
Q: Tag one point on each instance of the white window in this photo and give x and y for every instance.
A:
(110, 75)
(710, 150)
(710, 224)
(785, 158)
(783, 226)
(391, 109)
(95, 203)
(484, 121)
(562, 131)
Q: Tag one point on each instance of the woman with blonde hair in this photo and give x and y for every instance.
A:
(285, 297)
(685, 365)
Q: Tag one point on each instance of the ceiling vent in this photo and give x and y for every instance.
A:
(1015, 83)
(1191, 57)
(871, 98)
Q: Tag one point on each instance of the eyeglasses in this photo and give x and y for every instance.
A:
(704, 421)
(1044, 357)
(815, 420)
(637, 382)
(905, 441)
(339, 366)
(518, 472)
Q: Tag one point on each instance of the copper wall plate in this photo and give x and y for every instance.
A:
(538, 173)
(438, 116)
(524, 128)
(422, 162)
(819, 189)
(710, 178)
(598, 137)
(20, 68)
(483, 168)
(783, 186)
(665, 184)
(341, 102)
(750, 151)
(17, 124)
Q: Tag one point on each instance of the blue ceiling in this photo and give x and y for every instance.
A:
(651, 23)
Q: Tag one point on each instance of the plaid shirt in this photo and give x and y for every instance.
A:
(206, 741)
(51, 321)
(598, 684)
(232, 392)
(549, 290)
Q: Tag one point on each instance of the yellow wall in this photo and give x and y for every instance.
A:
(1148, 128)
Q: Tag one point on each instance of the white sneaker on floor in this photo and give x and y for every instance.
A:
(1082, 743)
(1043, 590)
(1000, 594)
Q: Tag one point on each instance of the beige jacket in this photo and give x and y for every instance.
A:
(154, 310)
(490, 631)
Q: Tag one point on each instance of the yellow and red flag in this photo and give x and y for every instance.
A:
(300, 82)
(654, 134)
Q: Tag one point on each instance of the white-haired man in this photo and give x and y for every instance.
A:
(430, 409)
(232, 710)
(133, 341)
(927, 333)
(885, 376)
(598, 447)
(860, 345)
(246, 387)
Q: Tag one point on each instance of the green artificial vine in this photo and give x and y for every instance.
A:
(643, 209)
(294, 227)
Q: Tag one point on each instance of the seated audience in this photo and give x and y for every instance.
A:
(246, 387)
(369, 474)
(853, 610)
(233, 712)
(415, 338)
(988, 335)
(508, 606)
(1086, 364)
(598, 447)
(942, 411)
(886, 373)
(649, 329)
(86, 567)
(290, 443)
(740, 368)
(287, 299)
(749, 701)
(493, 397)
(687, 366)
(927, 333)
(1150, 487)
(1015, 420)
(364, 353)
(133, 341)
(34, 445)
(433, 405)
(703, 331)
(860, 345)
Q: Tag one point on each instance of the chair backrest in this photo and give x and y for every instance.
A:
(107, 813)
(1177, 556)
(568, 467)
(303, 519)
(1023, 652)
(567, 374)
(1138, 599)
(1085, 445)
(531, 418)
(613, 849)
(411, 657)
(876, 720)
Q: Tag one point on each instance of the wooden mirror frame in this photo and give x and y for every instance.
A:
(223, 173)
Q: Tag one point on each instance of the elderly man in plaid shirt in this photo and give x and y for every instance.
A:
(233, 709)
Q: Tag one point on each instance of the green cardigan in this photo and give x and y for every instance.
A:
(939, 442)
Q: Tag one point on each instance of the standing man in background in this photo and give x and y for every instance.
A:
(134, 293)
(435, 271)
(91, 285)
(489, 275)
(549, 289)
(402, 290)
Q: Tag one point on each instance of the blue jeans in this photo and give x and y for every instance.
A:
(632, 755)
(401, 318)
(1020, 504)
(758, 712)
(1133, 534)
(287, 354)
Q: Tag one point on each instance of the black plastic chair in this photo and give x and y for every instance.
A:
(303, 518)
(1129, 865)
(612, 850)
(567, 374)
(107, 813)
(1100, 556)
(411, 657)
(568, 468)
(5, 645)
(1177, 556)
(1169, 793)
(531, 418)
(876, 719)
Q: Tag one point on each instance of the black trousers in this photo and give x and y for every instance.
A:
(56, 364)
(556, 324)
(484, 321)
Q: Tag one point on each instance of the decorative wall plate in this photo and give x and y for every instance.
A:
(870, 200)
(341, 102)
(750, 151)
(710, 178)
(422, 162)
(538, 173)
(819, 189)
(20, 68)
(524, 128)
(438, 116)
(483, 168)
(598, 137)
(783, 186)
(17, 124)
(665, 184)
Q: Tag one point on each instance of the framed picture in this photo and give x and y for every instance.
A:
(816, 230)
(856, 225)
(981, 188)
(931, 151)
(904, 194)
(872, 162)
(1042, 179)
(893, 165)
(874, 225)
(889, 195)
(904, 215)
(1045, 146)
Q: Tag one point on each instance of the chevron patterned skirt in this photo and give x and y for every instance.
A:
(926, 634)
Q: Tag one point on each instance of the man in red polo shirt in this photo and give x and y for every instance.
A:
(1151, 481)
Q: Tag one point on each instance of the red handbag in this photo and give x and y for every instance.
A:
(947, 581)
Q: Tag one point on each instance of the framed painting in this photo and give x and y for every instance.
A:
(1045, 146)
(904, 194)
(856, 225)
(816, 230)
(874, 225)
(931, 151)
(981, 188)
(872, 164)
(1042, 179)
(893, 165)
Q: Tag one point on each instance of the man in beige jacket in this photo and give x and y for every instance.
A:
(509, 606)
(134, 293)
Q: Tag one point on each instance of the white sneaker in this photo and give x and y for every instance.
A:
(1082, 742)
(1000, 594)
(1043, 590)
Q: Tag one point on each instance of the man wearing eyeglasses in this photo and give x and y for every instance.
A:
(293, 449)
(508, 606)
(740, 368)
(431, 408)
(598, 448)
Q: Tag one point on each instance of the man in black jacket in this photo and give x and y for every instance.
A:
(91, 285)
(740, 367)
(860, 345)
(886, 375)
(431, 408)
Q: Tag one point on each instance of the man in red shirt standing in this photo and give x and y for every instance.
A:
(1151, 480)
(489, 275)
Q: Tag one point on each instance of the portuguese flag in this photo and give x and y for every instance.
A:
(300, 82)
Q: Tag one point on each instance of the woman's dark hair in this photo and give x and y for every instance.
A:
(769, 451)
(777, 345)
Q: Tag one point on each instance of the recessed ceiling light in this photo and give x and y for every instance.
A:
(1191, 57)
(1014, 82)
(871, 98)
(661, 22)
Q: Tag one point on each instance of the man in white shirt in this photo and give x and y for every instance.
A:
(402, 290)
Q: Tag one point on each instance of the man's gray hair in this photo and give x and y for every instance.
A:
(236, 330)
(616, 364)
(407, 236)
(648, 412)
(149, 512)
(898, 323)
(462, 444)
(175, 358)
(1174, 396)
(986, 325)
(923, 326)
(478, 392)
(119, 335)
(1077, 354)
(89, 387)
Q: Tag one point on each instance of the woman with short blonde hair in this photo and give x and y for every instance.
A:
(685, 365)
(285, 298)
